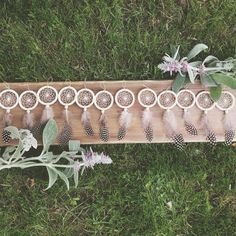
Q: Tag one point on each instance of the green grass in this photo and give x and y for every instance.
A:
(115, 40)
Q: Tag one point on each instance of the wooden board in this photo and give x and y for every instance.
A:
(135, 133)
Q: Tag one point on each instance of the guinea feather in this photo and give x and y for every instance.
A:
(172, 132)
(85, 119)
(66, 133)
(103, 129)
(210, 134)
(124, 122)
(229, 128)
(147, 124)
(7, 121)
(188, 124)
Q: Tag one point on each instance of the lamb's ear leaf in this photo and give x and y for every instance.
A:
(215, 92)
(208, 81)
(223, 79)
(76, 178)
(196, 50)
(52, 175)
(49, 134)
(178, 83)
(64, 178)
(15, 134)
(74, 145)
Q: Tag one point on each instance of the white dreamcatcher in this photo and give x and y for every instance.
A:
(103, 101)
(8, 100)
(167, 100)
(225, 104)
(66, 98)
(28, 102)
(85, 99)
(186, 100)
(124, 99)
(147, 98)
(205, 103)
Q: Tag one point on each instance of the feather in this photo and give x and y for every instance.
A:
(189, 126)
(28, 120)
(210, 134)
(104, 131)
(147, 124)
(7, 121)
(172, 130)
(46, 115)
(85, 119)
(65, 135)
(228, 128)
(124, 122)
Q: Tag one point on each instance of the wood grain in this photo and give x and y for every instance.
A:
(135, 133)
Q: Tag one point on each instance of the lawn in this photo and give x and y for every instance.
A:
(149, 189)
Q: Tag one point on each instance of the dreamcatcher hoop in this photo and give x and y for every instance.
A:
(207, 99)
(67, 99)
(125, 98)
(150, 101)
(230, 97)
(188, 102)
(8, 99)
(99, 95)
(53, 90)
(21, 100)
(167, 100)
(89, 100)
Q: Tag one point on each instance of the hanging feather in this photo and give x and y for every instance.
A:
(189, 126)
(147, 124)
(28, 120)
(46, 115)
(65, 135)
(104, 131)
(124, 122)
(7, 121)
(172, 130)
(210, 134)
(228, 127)
(85, 119)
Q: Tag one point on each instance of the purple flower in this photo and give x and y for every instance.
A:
(91, 158)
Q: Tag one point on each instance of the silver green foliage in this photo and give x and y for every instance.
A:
(65, 165)
(211, 72)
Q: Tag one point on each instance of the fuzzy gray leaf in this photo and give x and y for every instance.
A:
(196, 50)
(49, 134)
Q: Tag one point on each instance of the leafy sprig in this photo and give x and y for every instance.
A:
(212, 72)
(66, 165)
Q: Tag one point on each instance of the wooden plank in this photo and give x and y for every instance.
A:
(135, 133)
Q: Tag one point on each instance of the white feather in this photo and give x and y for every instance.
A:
(205, 125)
(85, 117)
(146, 118)
(7, 119)
(67, 115)
(170, 123)
(228, 121)
(28, 120)
(47, 114)
(125, 119)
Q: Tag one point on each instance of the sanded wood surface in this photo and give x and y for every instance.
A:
(135, 133)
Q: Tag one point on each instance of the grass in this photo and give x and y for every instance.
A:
(115, 40)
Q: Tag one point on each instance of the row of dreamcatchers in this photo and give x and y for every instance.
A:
(124, 99)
